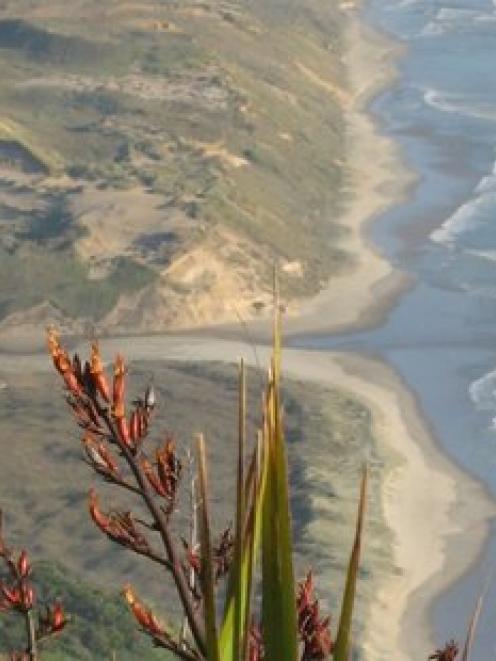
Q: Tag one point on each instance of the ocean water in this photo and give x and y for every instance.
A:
(441, 336)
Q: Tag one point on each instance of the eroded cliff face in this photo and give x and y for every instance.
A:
(157, 158)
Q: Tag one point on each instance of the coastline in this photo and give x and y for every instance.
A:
(362, 296)
(398, 626)
(399, 618)
(398, 623)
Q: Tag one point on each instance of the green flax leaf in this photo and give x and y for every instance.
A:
(279, 619)
(207, 569)
(342, 648)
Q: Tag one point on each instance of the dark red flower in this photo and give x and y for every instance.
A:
(448, 653)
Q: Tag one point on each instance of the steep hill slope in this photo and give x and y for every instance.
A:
(156, 158)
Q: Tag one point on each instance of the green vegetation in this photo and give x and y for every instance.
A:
(63, 280)
(101, 623)
(44, 481)
(231, 112)
(237, 591)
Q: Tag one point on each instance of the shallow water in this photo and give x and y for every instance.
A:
(441, 336)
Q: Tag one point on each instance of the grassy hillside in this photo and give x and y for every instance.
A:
(43, 480)
(159, 150)
(101, 625)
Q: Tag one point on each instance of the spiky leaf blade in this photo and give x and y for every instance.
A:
(474, 621)
(342, 647)
(279, 619)
(207, 568)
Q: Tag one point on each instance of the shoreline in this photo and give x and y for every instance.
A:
(397, 625)
(362, 295)
(459, 502)
(379, 179)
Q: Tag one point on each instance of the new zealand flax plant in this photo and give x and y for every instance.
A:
(18, 596)
(215, 577)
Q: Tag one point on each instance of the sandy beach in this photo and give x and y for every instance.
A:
(425, 521)
(428, 501)
(361, 296)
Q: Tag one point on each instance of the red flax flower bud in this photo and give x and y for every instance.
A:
(448, 653)
(223, 553)
(119, 382)
(99, 455)
(108, 458)
(255, 644)
(12, 595)
(27, 596)
(92, 452)
(55, 349)
(58, 620)
(152, 477)
(53, 342)
(101, 520)
(134, 426)
(118, 406)
(119, 526)
(143, 615)
(51, 620)
(169, 468)
(23, 566)
(98, 374)
(71, 382)
(62, 362)
(142, 421)
(314, 631)
(123, 431)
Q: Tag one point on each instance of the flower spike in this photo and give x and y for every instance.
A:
(98, 373)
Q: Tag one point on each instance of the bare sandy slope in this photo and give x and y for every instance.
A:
(426, 521)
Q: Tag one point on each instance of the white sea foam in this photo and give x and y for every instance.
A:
(462, 105)
(488, 183)
(432, 29)
(453, 15)
(466, 217)
(485, 18)
(439, 101)
(483, 392)
(405, 3)
(490, 255)
(473, 212)
(452, 18)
